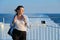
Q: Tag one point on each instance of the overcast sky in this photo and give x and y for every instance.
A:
(31, 6)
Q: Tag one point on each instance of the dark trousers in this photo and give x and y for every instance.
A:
(19, 35)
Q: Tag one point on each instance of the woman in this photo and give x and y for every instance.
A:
(21, 22)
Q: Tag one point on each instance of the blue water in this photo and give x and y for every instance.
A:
(9, 16)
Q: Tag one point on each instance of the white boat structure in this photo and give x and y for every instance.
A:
(46, 30)
(4, 27)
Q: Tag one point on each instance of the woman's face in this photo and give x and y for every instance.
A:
(21, 11)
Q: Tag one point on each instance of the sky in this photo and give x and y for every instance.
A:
(31, 6)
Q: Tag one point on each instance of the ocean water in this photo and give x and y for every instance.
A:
(9, 16)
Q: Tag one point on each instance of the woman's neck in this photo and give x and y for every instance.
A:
(19, 15)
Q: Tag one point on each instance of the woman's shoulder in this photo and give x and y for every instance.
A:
(25, 16)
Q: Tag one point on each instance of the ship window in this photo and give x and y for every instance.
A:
(43, 22)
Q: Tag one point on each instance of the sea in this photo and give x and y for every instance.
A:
(9, 16)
